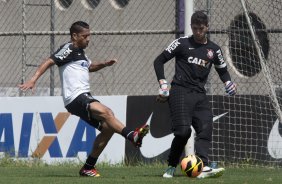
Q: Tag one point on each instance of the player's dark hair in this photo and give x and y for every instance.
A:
(199, 17)
(77, 27)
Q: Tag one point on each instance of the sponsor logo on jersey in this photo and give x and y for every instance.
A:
(85, 64)
(220, 57)
(210, 53)
(63, 53)
(198, 61)
(172, 46)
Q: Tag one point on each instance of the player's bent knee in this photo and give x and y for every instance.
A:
(182, 131)
(108, 113)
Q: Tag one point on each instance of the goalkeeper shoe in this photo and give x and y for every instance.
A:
(138, 135)
(211, 173)
(92, 172)
(169, 172)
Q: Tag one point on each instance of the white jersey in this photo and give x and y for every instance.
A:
(74, 71)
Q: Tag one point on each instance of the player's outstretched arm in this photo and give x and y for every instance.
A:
(30, 84)
(95, 66)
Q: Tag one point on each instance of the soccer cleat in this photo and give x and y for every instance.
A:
(91, 173)
(211, 173)
(138, 135)
(169, 172)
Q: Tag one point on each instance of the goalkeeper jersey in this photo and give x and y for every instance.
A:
(193, 62)
(73, 69)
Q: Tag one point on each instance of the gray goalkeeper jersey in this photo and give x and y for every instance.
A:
(74, 73)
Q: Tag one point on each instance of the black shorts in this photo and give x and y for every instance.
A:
(188, 107)
(80, 107)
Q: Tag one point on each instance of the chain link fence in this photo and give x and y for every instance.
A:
(134, 32)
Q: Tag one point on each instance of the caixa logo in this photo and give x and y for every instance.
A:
(83, 136)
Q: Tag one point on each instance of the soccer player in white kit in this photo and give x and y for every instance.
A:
(74, 68)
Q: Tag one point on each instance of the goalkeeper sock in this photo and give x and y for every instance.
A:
(177, 147)
(90, 163)
(128, 134)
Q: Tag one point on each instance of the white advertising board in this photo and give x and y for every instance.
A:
(41, 127)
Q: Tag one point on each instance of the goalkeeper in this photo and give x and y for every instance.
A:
(189, 105)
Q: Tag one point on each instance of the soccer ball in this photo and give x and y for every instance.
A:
(191, 166)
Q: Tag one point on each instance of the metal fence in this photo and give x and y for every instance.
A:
(134, 32)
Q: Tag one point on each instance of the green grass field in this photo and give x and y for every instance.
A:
(147, 174)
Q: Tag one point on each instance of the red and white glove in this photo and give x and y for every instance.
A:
(163, 91)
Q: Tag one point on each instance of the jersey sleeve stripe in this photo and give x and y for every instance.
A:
(62, 50)
(220, 66)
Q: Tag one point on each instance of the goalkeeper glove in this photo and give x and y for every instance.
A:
(230, 88)
(163, 91)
